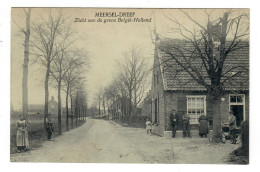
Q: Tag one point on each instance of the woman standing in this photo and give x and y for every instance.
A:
(22, 141)
(203, 126)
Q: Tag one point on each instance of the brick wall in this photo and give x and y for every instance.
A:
(157, 92)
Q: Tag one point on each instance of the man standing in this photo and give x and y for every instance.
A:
(186, 125)
(173, 118)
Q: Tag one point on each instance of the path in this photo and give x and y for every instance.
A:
(99, 141)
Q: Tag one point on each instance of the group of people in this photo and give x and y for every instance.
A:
(185, 124)
(203, 124)
(22, 137)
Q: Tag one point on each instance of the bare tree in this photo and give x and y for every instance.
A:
(133, 74)
(26, 33)
(60, 66)
(98, 100)
(210, 47)
(44, 39)
(80, 102)
(73, 75)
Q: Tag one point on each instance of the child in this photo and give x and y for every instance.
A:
(148, 126)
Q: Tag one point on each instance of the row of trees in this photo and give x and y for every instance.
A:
(127, 90)
(52, 45)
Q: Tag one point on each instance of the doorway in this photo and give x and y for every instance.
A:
(238, 113)
(237, 105)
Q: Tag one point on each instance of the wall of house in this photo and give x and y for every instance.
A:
(157, 92)
(178, 101)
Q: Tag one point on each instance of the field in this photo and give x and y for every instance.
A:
(36, 132)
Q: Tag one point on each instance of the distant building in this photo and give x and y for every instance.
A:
(53, 107)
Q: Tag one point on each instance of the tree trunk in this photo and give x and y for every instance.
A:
(78, 115)
(71, 110)
(99, 107)
(217, 135)
(59, 108)
(67, 108)
(104, 106)
(76, 111)
(130, 107)
(46, 85)
(25, 66)
(215, 93)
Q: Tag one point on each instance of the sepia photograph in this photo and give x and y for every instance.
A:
(129, 85)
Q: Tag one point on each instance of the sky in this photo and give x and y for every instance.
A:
(104, 42)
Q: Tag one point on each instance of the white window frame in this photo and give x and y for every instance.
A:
(196, 117)
(238, 103)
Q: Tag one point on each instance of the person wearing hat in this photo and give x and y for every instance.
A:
(232, 126)
(186, 125)
(173, 119)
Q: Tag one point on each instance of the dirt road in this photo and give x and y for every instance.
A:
(99, 141)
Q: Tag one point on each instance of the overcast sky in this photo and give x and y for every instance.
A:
(104, 43)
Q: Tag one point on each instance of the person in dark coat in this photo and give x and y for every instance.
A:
(203, 125)
(173, 119)
(49, 128)
(186, 125)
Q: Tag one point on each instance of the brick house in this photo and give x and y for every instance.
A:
(173, 88)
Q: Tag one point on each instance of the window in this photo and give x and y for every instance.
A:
(196, 106)
(236, 98)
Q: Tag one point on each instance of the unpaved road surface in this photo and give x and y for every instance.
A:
(100, 141)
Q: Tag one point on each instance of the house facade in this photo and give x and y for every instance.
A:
(173, 88)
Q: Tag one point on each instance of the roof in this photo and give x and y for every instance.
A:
(176, 78)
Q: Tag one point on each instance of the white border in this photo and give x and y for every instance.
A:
(5, 9)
